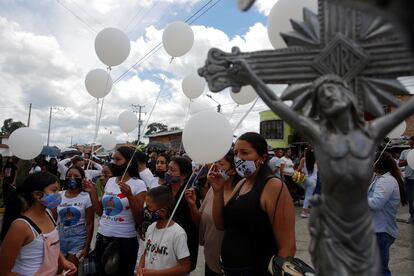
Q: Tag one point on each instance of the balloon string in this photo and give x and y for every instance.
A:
(98, 119)
(186, 118)
(245, 115)
(382, 152)
(232, 113)
(146, 123)
(177, 204)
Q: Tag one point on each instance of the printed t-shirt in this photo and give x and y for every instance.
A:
(172, 248)
(71, 211)
(117, 219)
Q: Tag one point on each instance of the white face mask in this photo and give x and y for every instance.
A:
(223, 174)
(244, 168)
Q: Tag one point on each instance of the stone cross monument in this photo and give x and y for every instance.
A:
(339, 64)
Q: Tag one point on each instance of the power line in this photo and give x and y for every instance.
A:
(157, 47)
(87, 14)
(75, 15)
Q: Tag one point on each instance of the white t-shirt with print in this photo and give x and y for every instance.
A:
(117, 219)
(71, 211)
(173, 246)
(288, 168)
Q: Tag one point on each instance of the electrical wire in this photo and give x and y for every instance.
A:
(157, 47)
(76, 16)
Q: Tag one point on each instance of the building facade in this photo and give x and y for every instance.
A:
(276, 131)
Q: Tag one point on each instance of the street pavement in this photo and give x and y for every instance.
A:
(401, 253)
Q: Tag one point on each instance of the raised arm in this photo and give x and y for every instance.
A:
(383, 125)
(297, 121)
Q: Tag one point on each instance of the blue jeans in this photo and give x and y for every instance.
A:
(409, 191)
(384, 241)
(72, 239)
(309, 187)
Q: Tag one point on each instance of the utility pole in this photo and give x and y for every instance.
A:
(139, 111)
(50, 122)
(30, 112)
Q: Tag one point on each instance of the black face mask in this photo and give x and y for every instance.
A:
(118, 170)
(160, 174)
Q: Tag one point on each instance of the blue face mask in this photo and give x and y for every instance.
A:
(244, 168)
(51, 201)
(75, 183)
(170, 179)
(150, 216)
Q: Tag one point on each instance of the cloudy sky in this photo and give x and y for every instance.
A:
(47, 48)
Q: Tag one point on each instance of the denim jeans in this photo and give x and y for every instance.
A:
(409, 191)
(72, 238)
(384, 241)
(309, 187)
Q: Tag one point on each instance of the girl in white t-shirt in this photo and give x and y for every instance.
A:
(75, 217)
(120, 210)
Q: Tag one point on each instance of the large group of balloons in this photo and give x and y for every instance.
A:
(207, 136)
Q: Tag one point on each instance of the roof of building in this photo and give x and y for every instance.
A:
(164, 133)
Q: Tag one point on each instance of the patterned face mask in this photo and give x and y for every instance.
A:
(51, 201)
(244, 168)
(223, 174)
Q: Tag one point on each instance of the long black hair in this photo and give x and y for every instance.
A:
(309, 160)
(22, 198)
(128, 154)
(385, 163)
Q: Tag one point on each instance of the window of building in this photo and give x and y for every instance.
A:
(272, 129)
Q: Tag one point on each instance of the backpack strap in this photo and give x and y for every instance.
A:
(34, 225)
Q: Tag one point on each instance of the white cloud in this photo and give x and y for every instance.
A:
(265, 6)
(47, 68)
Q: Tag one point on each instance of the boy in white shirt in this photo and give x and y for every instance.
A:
(169, 256)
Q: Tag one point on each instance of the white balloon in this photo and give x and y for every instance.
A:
(26, 143)
(112, 46)
(98, 83)
(280, 15)
(410, 159)
(127, 121)
(193, 86)
(246, 95)
(178, 38)
(207, 137)
(398, 131)
(108, 141)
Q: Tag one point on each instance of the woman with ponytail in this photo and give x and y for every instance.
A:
(30, 241)
(384, 196)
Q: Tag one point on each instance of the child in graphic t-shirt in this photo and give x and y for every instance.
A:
(169, 256)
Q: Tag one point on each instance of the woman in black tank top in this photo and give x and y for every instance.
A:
(259, 220)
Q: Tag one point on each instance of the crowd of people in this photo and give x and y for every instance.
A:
(155, 209)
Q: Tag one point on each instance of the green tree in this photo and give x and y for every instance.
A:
(155, 128)
(9, 126)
